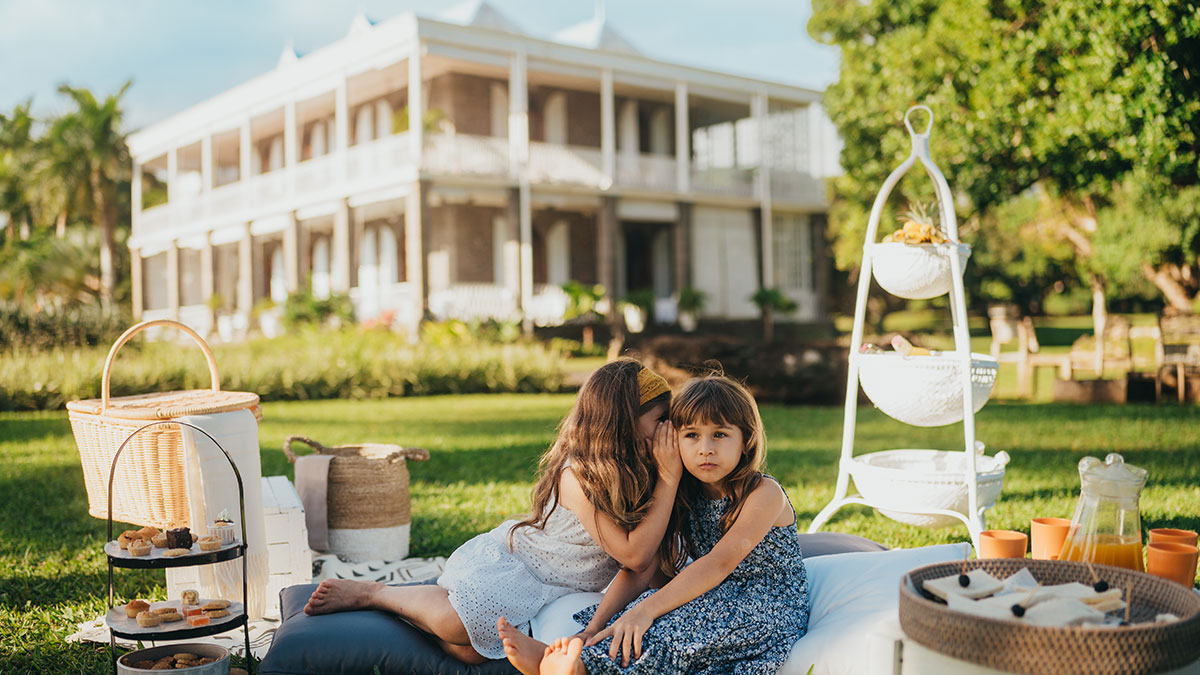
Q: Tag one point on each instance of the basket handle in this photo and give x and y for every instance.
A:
(287, 446)
(213, 375)
(411, 454)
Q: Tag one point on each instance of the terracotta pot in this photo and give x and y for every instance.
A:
(1047, 536)
(1002, 544)
(1176, 562)
(1173, 536)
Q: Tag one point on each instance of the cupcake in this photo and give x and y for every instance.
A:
(222, 528)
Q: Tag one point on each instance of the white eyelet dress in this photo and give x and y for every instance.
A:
(487, 580)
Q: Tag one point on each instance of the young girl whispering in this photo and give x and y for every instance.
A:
(742, 603)
(602, 502)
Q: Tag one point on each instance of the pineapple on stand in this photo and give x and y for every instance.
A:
(917, 228)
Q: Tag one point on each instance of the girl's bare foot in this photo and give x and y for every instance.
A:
(340, 595)
(522, 651)
(563, 658)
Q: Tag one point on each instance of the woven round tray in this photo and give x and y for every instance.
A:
(1023, 648)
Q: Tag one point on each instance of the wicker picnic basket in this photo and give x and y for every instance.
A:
(148, 486)
(1144, 647)
(369, 511)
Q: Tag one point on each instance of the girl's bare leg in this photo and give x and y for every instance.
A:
(562, 658)
(524, 652)
(425, 606)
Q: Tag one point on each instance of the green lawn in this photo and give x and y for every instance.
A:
(484, 450)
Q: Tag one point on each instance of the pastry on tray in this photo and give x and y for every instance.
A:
(216, 604)
(134, 607)
(979, 584)
(179, 537)
(139, 547)
(190, 597)
(159, 540)
(222, 528)
(209, 543)
(147, 620)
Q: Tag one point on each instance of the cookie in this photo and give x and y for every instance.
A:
(170, 617)
(139, 547)
(147, 620)
(144, 665)
(163, 610)
(176, 552)
(209, 543)
(216, 604)
(216, 613)
(187, 656)
(135, 607)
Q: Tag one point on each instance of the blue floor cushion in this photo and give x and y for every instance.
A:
(355, 643)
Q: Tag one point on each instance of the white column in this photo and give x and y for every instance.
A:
(758, 110)
(136, 196)
(683, 138)
(290, 138)
(172, 175)
(341, 127)
(291, 253)
(135, 278)
(518, 113)
(244, 151)
(526, 234)
(208, 280)
(245, 282)
(608, 125)
(173, 279)
(816, 151)
(341, 248)
(416, 106)
(206, 163)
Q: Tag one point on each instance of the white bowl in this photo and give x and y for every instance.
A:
(921, 480)
(925, 391)
(916, 271)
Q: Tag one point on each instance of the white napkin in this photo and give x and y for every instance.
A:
(212, 488)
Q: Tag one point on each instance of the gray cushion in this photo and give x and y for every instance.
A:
(354, 643)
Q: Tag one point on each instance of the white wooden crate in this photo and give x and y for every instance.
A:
(288, 555)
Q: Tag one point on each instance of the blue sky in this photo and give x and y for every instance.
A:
(180, 53)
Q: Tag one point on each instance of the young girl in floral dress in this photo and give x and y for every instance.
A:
(743, 602)
(602, 502)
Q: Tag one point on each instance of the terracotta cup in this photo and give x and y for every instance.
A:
(1168, 535)
(1047, 536)
(1002, 544)
(1176, 562)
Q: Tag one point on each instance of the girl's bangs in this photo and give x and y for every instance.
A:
(707, 402)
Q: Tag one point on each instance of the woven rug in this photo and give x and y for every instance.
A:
(263, 630)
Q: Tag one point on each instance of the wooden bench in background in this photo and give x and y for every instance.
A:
(1179, 347)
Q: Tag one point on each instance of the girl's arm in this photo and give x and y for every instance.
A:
(759, 513)
(626, 586)
(636, 549)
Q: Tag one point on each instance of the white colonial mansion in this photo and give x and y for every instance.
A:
(458, 167)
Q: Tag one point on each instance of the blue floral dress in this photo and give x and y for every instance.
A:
(747, 624)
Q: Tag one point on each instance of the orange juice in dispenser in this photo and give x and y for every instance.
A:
(1107, 526)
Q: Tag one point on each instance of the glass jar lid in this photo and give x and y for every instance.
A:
(1112, 477)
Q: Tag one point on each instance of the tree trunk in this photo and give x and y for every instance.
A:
(10, 229)
(1173, 291)
(108, 278)
(1099, 319)
(60, 225)
(768, 319)
(588, 338)
(25, 229)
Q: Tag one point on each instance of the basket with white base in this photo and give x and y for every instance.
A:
(925, 391)
(916, 271)
(926, 480)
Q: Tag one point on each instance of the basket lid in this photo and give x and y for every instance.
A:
(168, 404)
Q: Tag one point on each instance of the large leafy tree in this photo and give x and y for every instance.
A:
(92, 135)
(1068, 130)
(16, 161)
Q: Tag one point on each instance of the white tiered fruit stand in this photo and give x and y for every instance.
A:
(921, 487)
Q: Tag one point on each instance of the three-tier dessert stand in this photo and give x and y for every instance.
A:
(119, 625)
(919, 487)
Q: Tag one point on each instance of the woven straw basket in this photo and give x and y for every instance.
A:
(148, 485)
(925, 391)
(916, 271)
(1023, 648)
(369, 512)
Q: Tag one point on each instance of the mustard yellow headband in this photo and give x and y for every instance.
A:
(650, 386)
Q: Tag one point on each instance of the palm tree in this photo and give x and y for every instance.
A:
(16, 157)
(60, 186)
(93, 132)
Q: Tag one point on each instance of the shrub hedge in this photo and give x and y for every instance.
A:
(349, 364)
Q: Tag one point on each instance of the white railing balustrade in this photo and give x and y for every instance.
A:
(466, 301)
(728, 182)
(268, 188)
(465, 155)
(155, 218)
(797, 186)
(566, 164)
(370, 162)
(651, 172)
(316, 174)
(548, 305)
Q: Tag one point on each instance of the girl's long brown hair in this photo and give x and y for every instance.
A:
(598, 438)
(713, 399)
